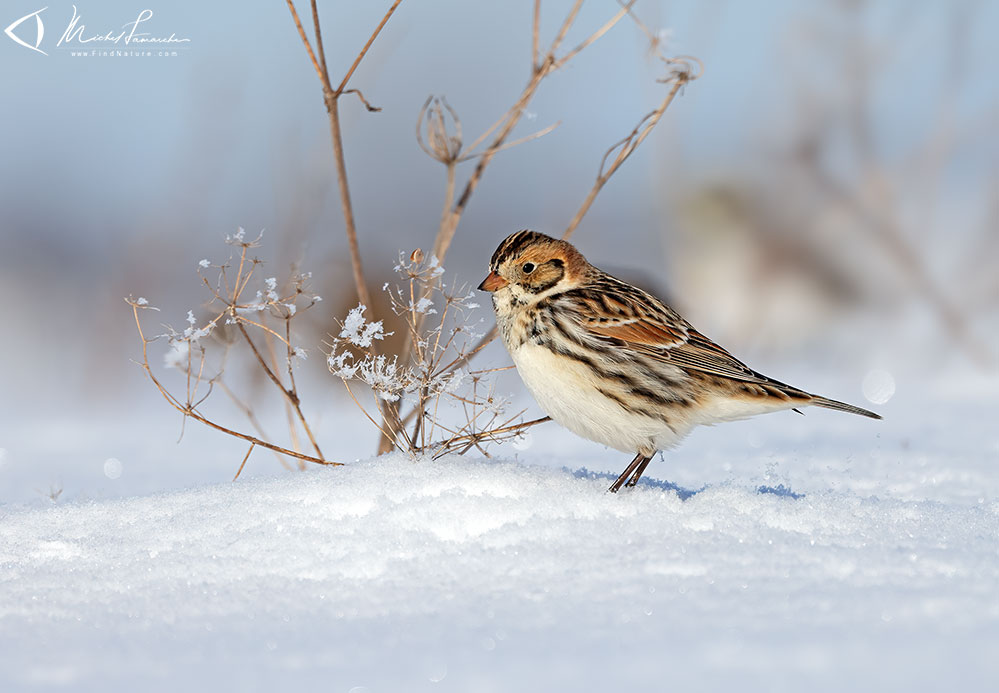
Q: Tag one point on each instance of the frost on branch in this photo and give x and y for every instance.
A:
(358, 331)
(426, 397)
(260, 326)
(386, 378)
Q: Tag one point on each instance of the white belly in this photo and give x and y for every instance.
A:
(567, 392)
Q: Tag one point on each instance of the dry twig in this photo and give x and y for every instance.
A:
(189, 354)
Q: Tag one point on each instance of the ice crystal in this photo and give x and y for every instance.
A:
(358, 331)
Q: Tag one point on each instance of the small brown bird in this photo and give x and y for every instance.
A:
(614, 364)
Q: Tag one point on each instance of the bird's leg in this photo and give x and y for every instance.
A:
(638, 472)
(639, 461)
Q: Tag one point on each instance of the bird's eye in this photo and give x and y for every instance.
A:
(528, 267)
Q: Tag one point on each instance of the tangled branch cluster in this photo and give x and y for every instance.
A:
(200, 352)
(449, 406)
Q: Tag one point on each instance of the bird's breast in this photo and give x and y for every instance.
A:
(576, 397)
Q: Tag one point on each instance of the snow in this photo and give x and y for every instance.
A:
(424, 306)
(358, 331)
(391, 573)
(825, 552)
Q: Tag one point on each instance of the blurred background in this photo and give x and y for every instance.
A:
(825, 199)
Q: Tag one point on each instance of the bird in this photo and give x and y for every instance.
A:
(614, 364)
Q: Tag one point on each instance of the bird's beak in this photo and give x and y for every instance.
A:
(493, 282)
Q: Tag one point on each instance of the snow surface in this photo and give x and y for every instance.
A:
(828, 552)
(467, 575)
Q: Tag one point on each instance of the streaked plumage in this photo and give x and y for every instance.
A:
(614, 364)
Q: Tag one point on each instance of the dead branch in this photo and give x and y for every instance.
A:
(505, 125)
(243, 463)
(490, 434)
(189, 410)
(681, 74)
(331, 98)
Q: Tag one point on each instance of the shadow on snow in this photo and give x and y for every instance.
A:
(682, 493)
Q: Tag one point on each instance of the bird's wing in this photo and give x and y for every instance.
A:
(686, 349)
(639, 321)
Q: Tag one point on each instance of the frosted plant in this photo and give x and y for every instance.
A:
(424, 394)
(263, 325)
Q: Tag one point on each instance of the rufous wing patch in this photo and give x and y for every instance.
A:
(639, 332)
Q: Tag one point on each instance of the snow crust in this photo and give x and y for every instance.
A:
(470, 575)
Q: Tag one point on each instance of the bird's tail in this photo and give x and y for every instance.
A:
(842, 406)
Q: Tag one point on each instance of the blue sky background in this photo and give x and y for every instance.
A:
(118, 174)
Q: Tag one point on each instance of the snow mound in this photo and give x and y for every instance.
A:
(465, 574)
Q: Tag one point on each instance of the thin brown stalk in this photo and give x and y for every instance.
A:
(289, 411)
(570, 19)
(535, 35)
(243, 463)
(510, 145)
(251, 416)
(485, 341)
(625, 9)
(386, 435)
(393, 423)
(331, 97)
(259, 325)
(448, 227)
(189, 412)
(448, 198)
(625, 148)
(290, 395)
(364, 51)
(305, 40)
(289, 355)
(324, 75)
(492, 433)
(347, 206)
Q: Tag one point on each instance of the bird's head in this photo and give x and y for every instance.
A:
(530, 266)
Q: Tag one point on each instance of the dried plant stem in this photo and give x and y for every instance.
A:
(509, 145)
(363, 295)
(305, 40)
(252, 417)
(448, 201)
(289, 411)
(189, 410)
(290, 395)
(535, 35)
(509, 121)
(624, 148)
(364, 51)
(484, 435)
(243, 463)
(331, 98)
(625, 9)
